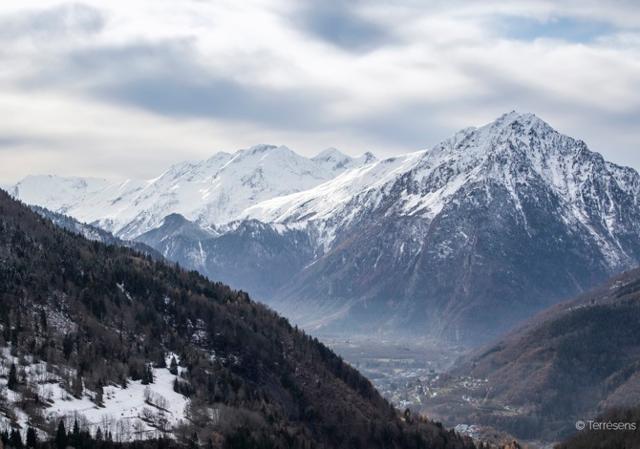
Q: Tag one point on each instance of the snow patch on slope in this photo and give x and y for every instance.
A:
(132, 413)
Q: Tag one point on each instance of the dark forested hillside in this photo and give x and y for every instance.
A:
(98, 317)
(93, 232)
(572, 362)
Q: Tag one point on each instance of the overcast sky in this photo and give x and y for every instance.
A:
(125, 88)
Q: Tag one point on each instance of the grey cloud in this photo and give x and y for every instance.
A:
(216, 98)
(422, 124)
(338, 22)
(11, 141)
(502, 91)
(165, 78)
(409, 126)
(62, 20)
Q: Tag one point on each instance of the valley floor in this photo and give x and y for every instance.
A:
(413, 375)
(401, 371)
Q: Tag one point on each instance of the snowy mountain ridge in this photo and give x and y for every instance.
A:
(275, 185)
(211, 192)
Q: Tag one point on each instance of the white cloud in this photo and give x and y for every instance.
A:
(127, 87)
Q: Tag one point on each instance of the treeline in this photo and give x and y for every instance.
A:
(241, 438)
(82, 439)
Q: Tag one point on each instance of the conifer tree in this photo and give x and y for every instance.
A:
(173, 366)
(99, 399)
(73, 438)
(32, 438)
(4, 437)
(162, 361)
(15, 440)
(12, 382)
(61, 436)
(77, 387)
(193, 441)
(147, 375)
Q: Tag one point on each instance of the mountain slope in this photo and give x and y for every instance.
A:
(97, 323)
(571, 362)
(516, 152)
(463, 240)
(249, 255)
(93, 232)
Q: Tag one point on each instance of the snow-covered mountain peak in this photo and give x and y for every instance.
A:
(60, 193)
(333, 157)
(337, 160)
(526, 118)
(515, 147)
(265, 150)
(520, 148)
(219, 158)
(366, 158)
(514, 124)
(511, 132)
(520, 125)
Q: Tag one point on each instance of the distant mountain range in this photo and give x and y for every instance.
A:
(211, 193)
(458, 242)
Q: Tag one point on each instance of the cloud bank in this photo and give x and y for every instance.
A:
(125, 88)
